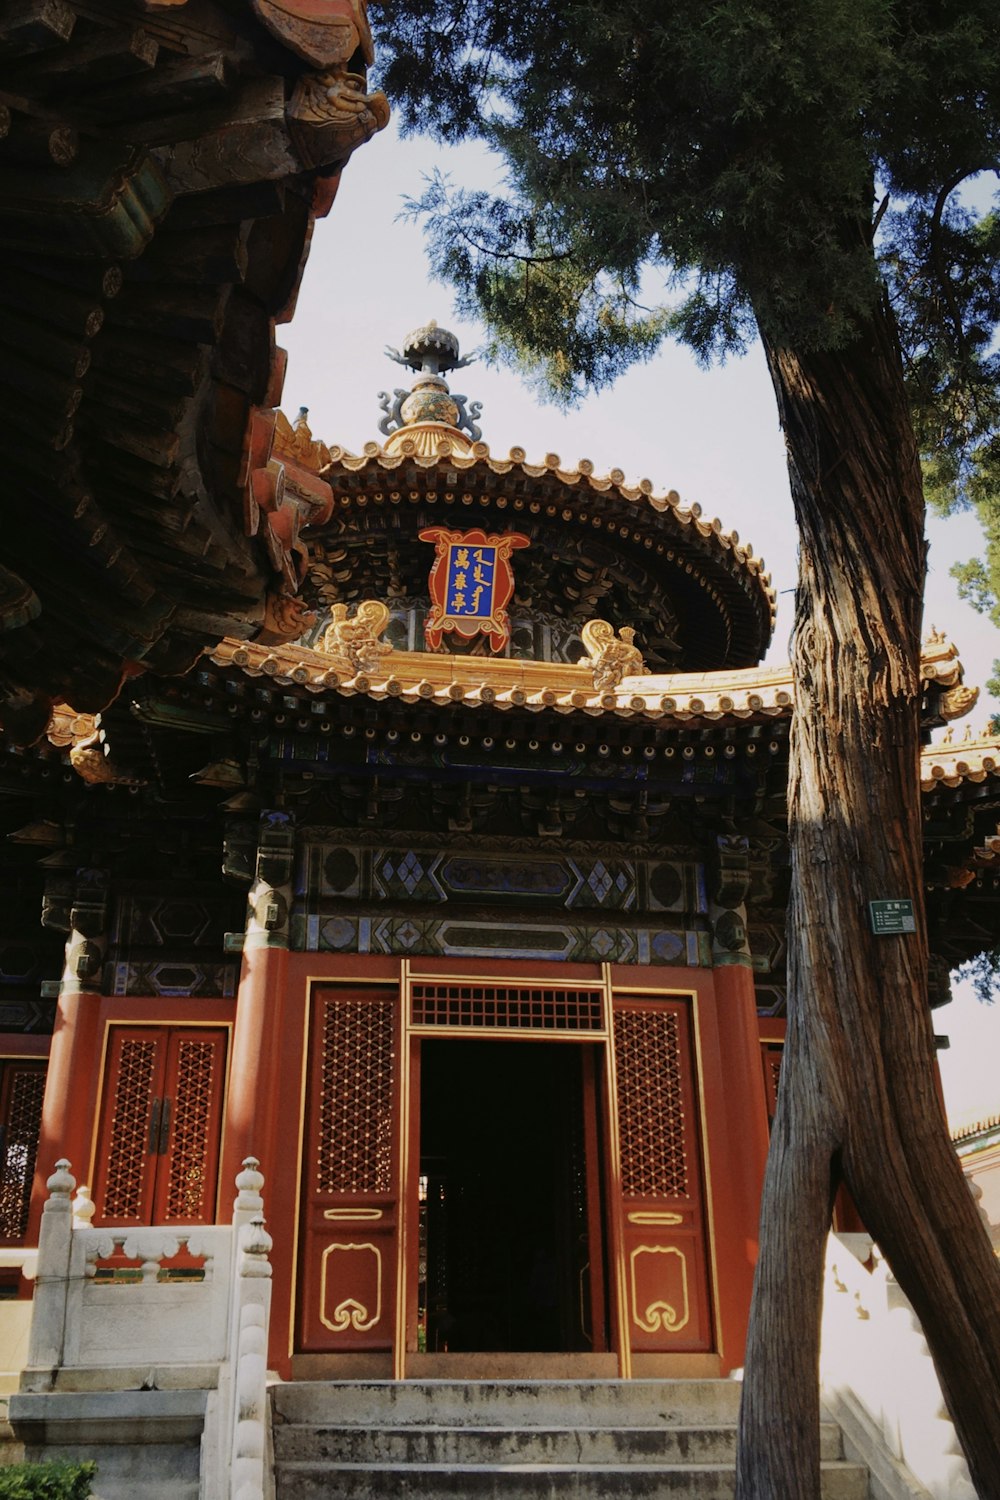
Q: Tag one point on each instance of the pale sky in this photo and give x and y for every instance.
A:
(712, 435)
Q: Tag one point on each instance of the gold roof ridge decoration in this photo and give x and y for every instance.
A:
(733, 692)
(358, 663)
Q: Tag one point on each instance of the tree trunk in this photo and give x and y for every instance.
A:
(858, 1100)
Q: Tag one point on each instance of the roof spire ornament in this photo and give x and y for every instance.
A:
(430, 411)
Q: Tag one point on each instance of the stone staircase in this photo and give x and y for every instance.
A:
(517, 1440)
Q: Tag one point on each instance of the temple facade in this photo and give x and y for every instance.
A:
(455, 898)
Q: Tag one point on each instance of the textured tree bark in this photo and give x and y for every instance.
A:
(857, 1100)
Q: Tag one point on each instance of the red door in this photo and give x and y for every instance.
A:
(662, 1212)
(158, 1147)
(348, 1284)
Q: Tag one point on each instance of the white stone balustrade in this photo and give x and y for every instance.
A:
(879, 1380)
(82, 1322)
(146, 1325)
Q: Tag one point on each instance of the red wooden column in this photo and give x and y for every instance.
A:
(254, 1091)
(746, 1124)
(78, 908)
(255, 1101)
(743, 1095)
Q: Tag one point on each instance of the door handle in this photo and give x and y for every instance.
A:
(154, 1127)
(164, 1125)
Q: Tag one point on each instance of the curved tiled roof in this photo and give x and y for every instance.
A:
(579, 478)
(950, 762)
(687, 583)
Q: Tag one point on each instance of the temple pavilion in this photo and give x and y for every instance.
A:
(456, 896)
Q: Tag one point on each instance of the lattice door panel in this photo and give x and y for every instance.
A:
(22, 1089)
(190, 1127)
(770, 1056)
(661, 1193)
(350, 1173)
(161, 1119)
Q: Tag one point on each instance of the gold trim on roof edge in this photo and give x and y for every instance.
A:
(747, 693)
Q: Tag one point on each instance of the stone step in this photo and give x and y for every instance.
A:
(321, 1481)
(495, 1445)
(523, 1403)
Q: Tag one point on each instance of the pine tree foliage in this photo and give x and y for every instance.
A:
(715, 161)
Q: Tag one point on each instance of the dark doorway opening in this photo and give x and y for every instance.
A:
(511, 1257)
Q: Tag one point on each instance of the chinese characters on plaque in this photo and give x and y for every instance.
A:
(470, 584)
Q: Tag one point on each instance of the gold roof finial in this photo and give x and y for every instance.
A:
(429, 411)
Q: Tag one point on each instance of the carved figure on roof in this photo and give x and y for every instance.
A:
(611, 657)
(329, 115)
(294, 440)
(357, 639)
(324, 32)
(94, 766)
(958, 701)
(286, 617)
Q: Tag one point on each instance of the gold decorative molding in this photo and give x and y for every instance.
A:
(754, 694)
(350, 1313)
(660, 1314)
(352, 1215)
(655, 1216)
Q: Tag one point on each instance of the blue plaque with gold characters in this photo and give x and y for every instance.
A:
(471, 582)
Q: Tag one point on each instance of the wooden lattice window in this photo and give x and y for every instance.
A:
(507, 1007)
(22, 1089)
(652, 1103)
(161, 1120)
(353, 1135)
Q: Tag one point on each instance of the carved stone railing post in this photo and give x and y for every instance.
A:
(251, 1306)
(55, 1247)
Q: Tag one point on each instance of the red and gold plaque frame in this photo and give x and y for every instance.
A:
(481, 564)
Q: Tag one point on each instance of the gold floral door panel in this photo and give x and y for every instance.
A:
(348, 1270)
(161, 1119)
(667, 1305)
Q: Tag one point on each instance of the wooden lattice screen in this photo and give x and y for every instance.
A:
(22, 1089)
(652, 1124)
(158, 1149)
(507, 1007)
(353, 1142)
(661, 1176)
(349, 1244)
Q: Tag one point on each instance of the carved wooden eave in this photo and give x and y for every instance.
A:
(977, 1135)
(744, 693)
(161, 168)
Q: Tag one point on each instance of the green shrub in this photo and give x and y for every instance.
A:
(51, 1481)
